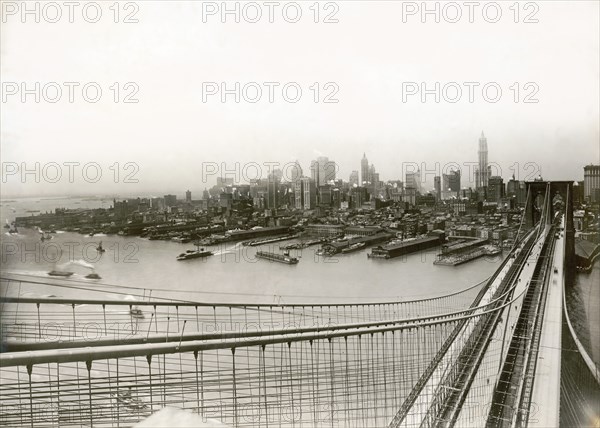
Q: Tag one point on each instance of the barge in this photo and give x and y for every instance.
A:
(274, 257)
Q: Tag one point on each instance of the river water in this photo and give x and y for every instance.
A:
(233, 274)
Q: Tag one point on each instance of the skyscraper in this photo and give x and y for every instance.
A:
(298, 186)
(374, 181)
(437, 184)
(272, 191)
(364, 170)
(310, 193)
(322, 170)
(170, 200)
(413, 180)
(294, 172)
(591, 183)
(482, 176)
(354, 178)
(517, 191)
(495, 189)
(454, 182)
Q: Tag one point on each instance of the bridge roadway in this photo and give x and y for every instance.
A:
(545, 397)
(511, 397)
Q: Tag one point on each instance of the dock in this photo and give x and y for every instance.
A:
(406, 247)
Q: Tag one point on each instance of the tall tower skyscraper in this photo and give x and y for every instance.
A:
(322, 170)
(482, 177)
(273, 191)
(364, 170)
(294, 172)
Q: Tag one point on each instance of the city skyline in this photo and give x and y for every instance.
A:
(321, 168)
(322, 171)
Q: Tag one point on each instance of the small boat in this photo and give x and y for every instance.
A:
(126, 399)
(60, 273)
(12, 228)
(99, 248)
(136, 312)
(194, 254)
(46, 237)
(93, 275)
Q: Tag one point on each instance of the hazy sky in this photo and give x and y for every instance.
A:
(369, 54)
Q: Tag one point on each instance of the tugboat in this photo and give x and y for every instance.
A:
(12, 228)
(99, 248)
(274, 257)
(93, 275)
(194, 254)
(60, 272)
(136, 312)
(126, 398)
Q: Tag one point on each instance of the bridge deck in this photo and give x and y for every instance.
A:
(546, 387)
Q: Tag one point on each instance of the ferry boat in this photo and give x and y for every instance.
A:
(194, 254)
(274, 257)
(354, 247)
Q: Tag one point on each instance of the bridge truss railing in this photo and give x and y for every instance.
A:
(351, 376)
(53, 319)
(355, 374)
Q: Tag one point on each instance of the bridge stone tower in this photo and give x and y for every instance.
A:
(544, 193)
